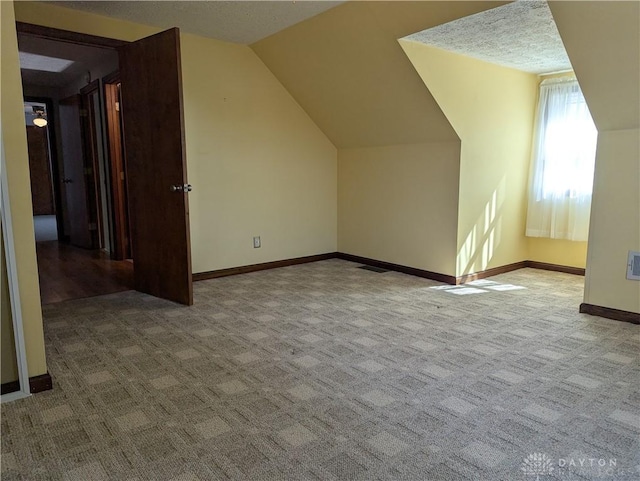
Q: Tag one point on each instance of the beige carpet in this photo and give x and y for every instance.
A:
(326, 371)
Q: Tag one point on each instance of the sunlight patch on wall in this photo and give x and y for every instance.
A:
(483, 240)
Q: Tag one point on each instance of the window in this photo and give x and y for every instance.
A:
(564, 150)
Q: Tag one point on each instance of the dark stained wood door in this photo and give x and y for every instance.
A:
(155, 157)
(74, 185)
(40, 171)
(117, 170)
(92, 138)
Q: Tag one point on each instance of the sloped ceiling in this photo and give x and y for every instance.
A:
(603, 42)
(346, 68)
(232, 21)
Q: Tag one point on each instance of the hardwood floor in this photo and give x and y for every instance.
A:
(68, 272)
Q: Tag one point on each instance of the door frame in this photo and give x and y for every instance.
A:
(14, 288)
(68, 36)
(78, 39)
(53, 161)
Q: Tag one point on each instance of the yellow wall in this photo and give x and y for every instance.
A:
(492, 110)
(603, 43)
(14, 140)
(557, 251)
(398, 155)
(399, 204)
(8, 362)
(615, 221)
(258, 164)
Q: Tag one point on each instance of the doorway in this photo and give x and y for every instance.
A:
(70, 167)
(135, 192)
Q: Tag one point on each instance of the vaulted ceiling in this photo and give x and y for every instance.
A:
(347, 69)
(232, 21)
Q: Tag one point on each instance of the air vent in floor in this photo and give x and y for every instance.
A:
(373, 269)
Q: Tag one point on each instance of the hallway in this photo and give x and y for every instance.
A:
(68, 272)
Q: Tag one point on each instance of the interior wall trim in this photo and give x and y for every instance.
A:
(68, 36)
(520, 265)
(610, 313)
(37, 384)
(436, 276)
(201, 276)
(578, 271)
(494, 271)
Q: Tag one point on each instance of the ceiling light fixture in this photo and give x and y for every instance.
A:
(40, 120)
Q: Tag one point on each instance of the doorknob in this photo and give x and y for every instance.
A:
(67, 181)
(181, 188)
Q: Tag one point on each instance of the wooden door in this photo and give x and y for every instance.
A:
(74, 185)
(117, 169)
(155, 157)
(40, 171)
(93, 161)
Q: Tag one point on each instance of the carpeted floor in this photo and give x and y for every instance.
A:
(326, 371)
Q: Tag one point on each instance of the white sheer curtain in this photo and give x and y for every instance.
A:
(564, 150)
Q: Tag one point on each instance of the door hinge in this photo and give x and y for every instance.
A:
(122, 175)
(93, 226)
(88, 171)
(84, 113)
(117, 106)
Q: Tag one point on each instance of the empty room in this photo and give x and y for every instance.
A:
(365, 240)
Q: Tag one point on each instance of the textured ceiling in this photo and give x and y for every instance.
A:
(521, 35)
(242, 22)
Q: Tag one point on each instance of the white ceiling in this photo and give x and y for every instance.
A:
(520, 35)
(242, 22)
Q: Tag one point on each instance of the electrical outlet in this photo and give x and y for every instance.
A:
(256, 242)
